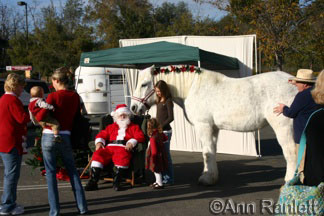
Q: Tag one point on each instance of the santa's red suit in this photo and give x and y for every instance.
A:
(115, 139)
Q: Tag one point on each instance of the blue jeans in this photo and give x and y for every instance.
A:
(12, 163)
(50, 150)
(167, 176)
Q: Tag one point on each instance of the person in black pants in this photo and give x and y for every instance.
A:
(314, 158)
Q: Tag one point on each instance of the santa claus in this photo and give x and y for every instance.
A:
(115, 143)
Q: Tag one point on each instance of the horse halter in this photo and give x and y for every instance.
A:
(145, 98)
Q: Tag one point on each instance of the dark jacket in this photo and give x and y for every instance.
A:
(300, 110)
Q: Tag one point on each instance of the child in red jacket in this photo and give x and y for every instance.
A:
(37, 102)
(156, 157)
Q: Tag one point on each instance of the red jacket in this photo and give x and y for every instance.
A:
(133, 134)
(13, 123)
(66, 104)
(33, 108)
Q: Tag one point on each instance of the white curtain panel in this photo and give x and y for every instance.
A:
(184, 136)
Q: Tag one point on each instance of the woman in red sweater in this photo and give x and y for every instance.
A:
(67, 106)
(13, 126)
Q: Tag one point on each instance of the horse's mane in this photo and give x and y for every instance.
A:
(179, 83)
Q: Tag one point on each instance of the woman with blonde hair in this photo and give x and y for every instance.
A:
(13, 127)
(314, 132)
(67, 106)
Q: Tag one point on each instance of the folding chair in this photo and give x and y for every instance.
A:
(137, 165)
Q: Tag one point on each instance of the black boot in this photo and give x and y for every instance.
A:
(117, 178)
(94, 178)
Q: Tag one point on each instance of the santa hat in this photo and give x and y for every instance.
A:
(120, 108)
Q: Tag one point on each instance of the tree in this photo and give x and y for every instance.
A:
(117, 19)
(274, 22)
(57, 41)
(307, 51)
(173, 19)
(10, 22)
(73, 13)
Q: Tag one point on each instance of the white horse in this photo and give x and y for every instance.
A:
(212, 101)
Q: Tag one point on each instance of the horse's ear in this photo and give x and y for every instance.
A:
(149, 69)
(152, 68)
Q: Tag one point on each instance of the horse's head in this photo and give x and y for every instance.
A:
(143, 96)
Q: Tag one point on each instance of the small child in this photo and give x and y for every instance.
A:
(37, 102)
(156, 157)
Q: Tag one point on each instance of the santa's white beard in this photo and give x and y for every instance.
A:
(123, 123)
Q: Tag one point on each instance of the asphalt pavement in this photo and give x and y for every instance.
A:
(247, 185)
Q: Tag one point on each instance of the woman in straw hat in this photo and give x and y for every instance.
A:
(303, 104)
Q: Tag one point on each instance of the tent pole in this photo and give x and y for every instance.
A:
(257, 71)
(77, 81)
(198, 64)
(260, 68)
(123, 74)
(256, 56)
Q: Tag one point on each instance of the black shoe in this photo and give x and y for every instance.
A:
(116, 183)
(58, 139)
(117, 179)
(94, 178)
(157, 186)
(91, 186)
(116, 187)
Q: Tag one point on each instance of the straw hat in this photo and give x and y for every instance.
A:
(304, 75)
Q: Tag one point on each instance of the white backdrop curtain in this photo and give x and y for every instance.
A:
(184, 136)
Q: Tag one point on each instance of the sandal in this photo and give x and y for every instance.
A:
(158, 186)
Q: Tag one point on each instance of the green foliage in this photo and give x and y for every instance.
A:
(289, 32)
(18, 52)
(37, 160)
(117, 19)
(57, 41)
(171, 19)
(308, 51)
(279, 26)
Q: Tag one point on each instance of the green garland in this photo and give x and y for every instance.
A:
(37, 160)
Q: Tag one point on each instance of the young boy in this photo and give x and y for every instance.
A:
(37, 102)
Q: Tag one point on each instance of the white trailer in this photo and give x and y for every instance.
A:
(100, 88)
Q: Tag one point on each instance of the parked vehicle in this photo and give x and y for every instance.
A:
(100, 88)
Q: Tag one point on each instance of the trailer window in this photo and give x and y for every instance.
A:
(116, 79)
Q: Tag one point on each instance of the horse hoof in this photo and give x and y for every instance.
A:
(207, 178)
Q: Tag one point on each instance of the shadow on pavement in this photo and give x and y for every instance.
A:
(270, 147)
(236, 177)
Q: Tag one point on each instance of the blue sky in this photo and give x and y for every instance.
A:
(203, 10)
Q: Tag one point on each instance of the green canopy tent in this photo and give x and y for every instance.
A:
(158, 53)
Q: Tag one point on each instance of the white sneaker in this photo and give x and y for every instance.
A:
(19, 209)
